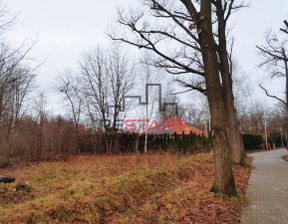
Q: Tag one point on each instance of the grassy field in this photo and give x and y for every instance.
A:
(153, 188)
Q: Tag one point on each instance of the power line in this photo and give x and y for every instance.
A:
(50, 41)
(48, 76)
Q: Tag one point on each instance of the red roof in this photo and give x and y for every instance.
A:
(177, 126)
(188, 129)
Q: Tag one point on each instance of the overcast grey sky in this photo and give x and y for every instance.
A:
(250, 25)
(67, 28)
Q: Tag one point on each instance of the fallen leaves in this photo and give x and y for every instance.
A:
(156, 188)
(285, 158)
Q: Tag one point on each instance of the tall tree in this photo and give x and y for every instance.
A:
(40, 104)
(223, 12)
(187, 25)
(187, 58)
(107, 76)
(274, 54)
(69, 86)
(15, 82)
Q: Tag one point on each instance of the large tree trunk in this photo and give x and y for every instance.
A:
(235, 139)
(223, 179)
(286, 76)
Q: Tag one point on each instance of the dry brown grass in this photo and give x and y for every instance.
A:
(153, 188)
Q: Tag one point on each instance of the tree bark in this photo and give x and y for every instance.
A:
(235, 139)
(286, 77)
(223, 179)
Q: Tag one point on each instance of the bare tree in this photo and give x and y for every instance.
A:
(224, 9)
(252, 118)
(196, 117)
(174, 110)
(40, 104)
(6, 20)
(275, 60)
(188, 26)
(69, 86)
(15, 83)
(16, 79)
(107, 76)
(95, 85)
(121, 75)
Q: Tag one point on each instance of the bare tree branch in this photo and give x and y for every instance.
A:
(271, 53)
(198, 86)
(286, 29)
(272, 96)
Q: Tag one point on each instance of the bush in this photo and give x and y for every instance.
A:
(4, 161)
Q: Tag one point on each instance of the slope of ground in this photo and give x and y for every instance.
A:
(155, 188)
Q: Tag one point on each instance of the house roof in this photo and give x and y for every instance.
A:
(177, 126)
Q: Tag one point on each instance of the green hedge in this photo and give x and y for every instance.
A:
(250, 139)
(127, 142)
(177, 143)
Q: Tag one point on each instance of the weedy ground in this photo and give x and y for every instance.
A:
(152, 188)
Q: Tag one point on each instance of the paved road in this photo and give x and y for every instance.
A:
(267, 189)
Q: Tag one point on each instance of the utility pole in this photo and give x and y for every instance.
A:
(146, 133)
(286, 141)
(147, 110)
(265, 124)
(281, 137)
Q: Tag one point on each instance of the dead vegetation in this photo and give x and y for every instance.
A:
(155, 188)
